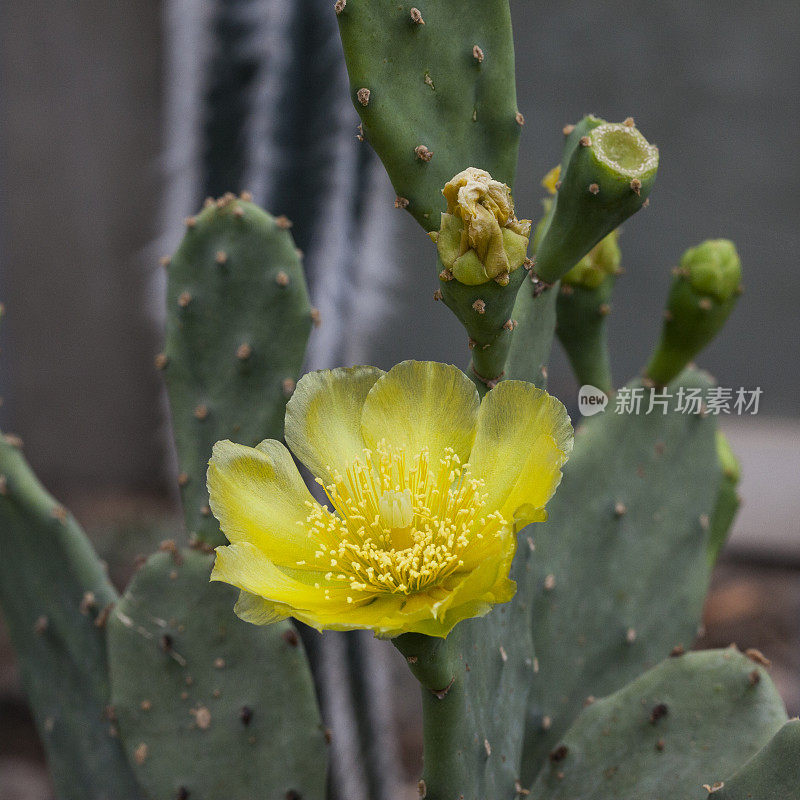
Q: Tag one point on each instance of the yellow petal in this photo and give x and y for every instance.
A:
(247, 567)
(474, 593)
(422, 404)
(524, 436)
(323, 418)
(258, 496)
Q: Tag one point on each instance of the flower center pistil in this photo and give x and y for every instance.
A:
(401, 524)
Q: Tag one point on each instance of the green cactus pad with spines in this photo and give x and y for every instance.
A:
(636, 496)
(686, 723)
(705, 289)
(475, 686)
(208, 706)
(54, 596)
(771, 774)
(486, 313)
(535, 315)
(728, 500)
(439, 76)
(238, 319)
(607, 175)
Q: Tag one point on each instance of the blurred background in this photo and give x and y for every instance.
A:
(117, 119)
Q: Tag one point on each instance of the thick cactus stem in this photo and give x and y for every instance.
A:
(606, 176)
(704, 292)
(436, 666)
(238, 318)
(583, 306)
(433, 98)
(486, 313)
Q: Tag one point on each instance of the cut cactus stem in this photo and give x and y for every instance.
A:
(704, 292)
(607, 174)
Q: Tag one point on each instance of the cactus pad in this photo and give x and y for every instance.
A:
(620, 569)
(686, 723)
(238, 320)
(434, 87)
(55, 597)
(771, 774)
(209, 707)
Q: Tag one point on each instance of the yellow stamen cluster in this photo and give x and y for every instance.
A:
(401, 523)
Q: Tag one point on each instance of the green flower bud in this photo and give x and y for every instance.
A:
(713, 268)
(600, 262)
(480, 239)
(704, 291)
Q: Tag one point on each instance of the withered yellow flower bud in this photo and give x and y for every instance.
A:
(480, 239)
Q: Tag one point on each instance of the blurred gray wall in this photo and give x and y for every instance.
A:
(716, 85)
(80, 139)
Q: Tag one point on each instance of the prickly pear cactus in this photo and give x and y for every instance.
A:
(56, 597)
(238, 321)
(689, 722)
(208, 706)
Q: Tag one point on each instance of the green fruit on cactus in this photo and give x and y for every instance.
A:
(55, 598)
(207, 705)
(435, 89)
(606, 176)
(705, 289)
(238, 319)
(602, 261)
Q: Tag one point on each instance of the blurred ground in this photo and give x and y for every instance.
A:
(752, 603)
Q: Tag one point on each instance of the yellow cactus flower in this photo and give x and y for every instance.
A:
(427, 486)
(480, 239)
